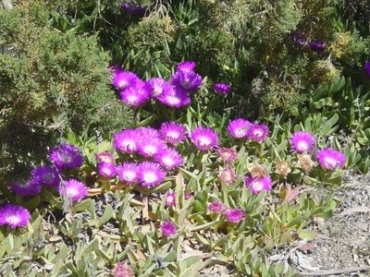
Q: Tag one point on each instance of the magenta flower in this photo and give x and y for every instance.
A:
(170, 199)
(46, 175)
(126, 141)
(149, 147)
(257, 184)
(106, 170)
(228, 155)
(147, 133)
(122, 270)
(216, 207)
(133, 9)
(234, 215)
(258, 132)
(169, 158)
(330, 158)
(227, 175)
(238, 128)
(31, 187)
(172, 132)
(124, 79)
(136, 96)
(105, 157)
(221, 88)
(317, 46)
(303, 142)
(367, 69)
(150, 174)
(159, 86)
(186, 66)
(204, 138)
(168, 228)
(174, 97)
(66, 156)
(73, 189)
(187, 80)
(14, 216)
(128, 172)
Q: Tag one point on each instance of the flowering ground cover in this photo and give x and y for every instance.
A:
(179, 141)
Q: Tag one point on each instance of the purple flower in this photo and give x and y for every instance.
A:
(257, 184)
(126, 141)
(170, 199)
(172, 132)
(136, 96)
(28, 188)
(228, 155)
(127, 172)
(168, 228)
(303, 142)
(169, 158)
(186, 66)
(132, 9)
(317, 46)
(122, 270)
(66, 156)
(299, 38)
(149, 147)
(159, 86)
(367, 69)
(187, 80)
(234, 215)
(221, 88)
(330, 158)
(122, 79)
(216, 207)
(150, 174)
(238, 128)
(106, 170)
(147, 133)
(204, 138)
(258, 132)
(174, 97)
(105, 157)
(227, 175)
(14, 216)
(46, 175)
(73, 189)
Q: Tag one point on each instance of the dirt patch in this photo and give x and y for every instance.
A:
(342, 247)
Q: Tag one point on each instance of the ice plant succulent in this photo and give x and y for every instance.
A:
(122, 270)
(169, 158)
(186, 66)
(174, 97)
(221, 88)
(187, 80)
(330, 158)
(238, 128)
(303, 142)
(137, 95)
(126, 141)
(127, 172)
(66, 156)
(170, 199)
(172, 132)
(105, 157)
(107, 170)
(216, 207)
(234, 215)
(204, 138)
(227, 175)
(149, 147)
(14, 216)
(168, 228)
(257, 184)
(46, 175)
(28, 188)
(228, 155)
(258, 132)
(150, 174)
(123, 79)
(158, 86)
(73, 189)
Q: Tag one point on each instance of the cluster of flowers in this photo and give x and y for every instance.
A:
(63, 157)
(305, 144)
(173, 93)
(300, 39)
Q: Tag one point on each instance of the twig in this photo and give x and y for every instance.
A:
(335, 271)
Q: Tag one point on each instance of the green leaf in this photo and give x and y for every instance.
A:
(107, 215)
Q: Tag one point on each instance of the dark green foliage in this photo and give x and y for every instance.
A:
(49, 81)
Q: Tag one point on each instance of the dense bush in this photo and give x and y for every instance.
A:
(50, 81)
